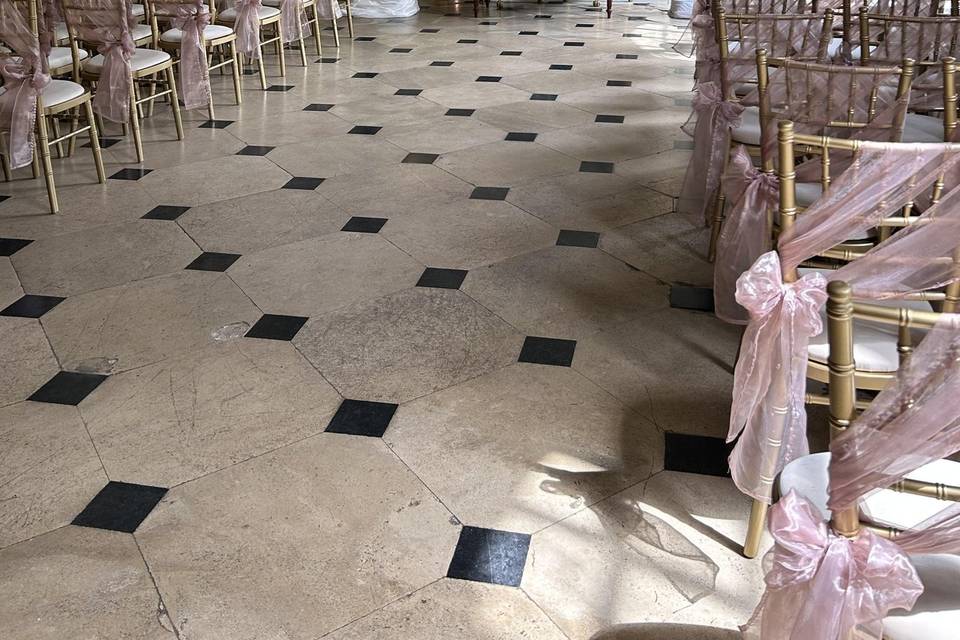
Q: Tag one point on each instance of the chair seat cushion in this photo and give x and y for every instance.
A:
(921, 128)
(210, 32)
(749, 130)
(808, 192)
(62, 57)
(142, 59)
(141, 32)
(230, 15)
(936, 614)
(808, 477)
(60, 31)
(137, 10)
(60, 91)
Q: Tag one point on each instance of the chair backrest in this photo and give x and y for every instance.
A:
(927, 40)
(783, 7)
(165, 10)
(803, 37)
(99, 22)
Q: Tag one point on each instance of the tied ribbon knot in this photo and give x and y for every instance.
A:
(822, 585)
(112, 99)
(768, 387)
(716, 118)
(23, 81)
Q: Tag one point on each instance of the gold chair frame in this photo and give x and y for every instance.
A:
(276, 40)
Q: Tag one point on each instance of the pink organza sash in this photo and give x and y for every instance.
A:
(292, 18)
(715, 119)
(247, 27)
(194, 73)
(746, 231)
(112, 99)
(705, 43)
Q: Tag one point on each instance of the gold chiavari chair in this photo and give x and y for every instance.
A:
(146, 65)
(848, 39)
(58, 98)
(312, 22)
(268, 19)
(219, 40)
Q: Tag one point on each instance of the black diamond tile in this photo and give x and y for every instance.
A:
(130, 174)
(400, 50)
(573, 44)
(529, 33)
(280, 87)
(518, 136)
(459, 112)
(276, 327)
(9, 246)
(305, 184)
(361, 224)
(683, 144)
(429, 30)
(328, 60)
(364, 39)
(541, 16)
(632, 35)
(165, 212)
(31, 306)
(365, 74)
(120, 507)
(561, 67)
(487, 23)
(696, 454)
(3, 198)
(318, 107)
(635, 18)
(365, 130)
(490, 555)
(694, 298)
(626, 56)
(467, 41)
(67, 387)
(511, 53)
(408, 92)
(610, 119)
(589, 166)
(105, 143)
(212, 261)
(442, 278)
(421, 158)
(362, 418)
(551, 351)
(547, 97)
(216, 124)
(249, 72)
(572, 238)
(489, 78)
(489, 193)
(619, 83)
(441, 63)
(254, 150)
(584, 24)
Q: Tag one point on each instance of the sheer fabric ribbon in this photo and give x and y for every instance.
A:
(292, 17)
(247, 26)
(194, 73)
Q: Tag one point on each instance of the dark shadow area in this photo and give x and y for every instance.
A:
(665, 631)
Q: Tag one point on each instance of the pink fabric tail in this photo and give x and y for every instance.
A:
(112, 99)
(821, 585)
(292, 18)
(745, 235)
(716, 118)
(247, 27)
(194, 71)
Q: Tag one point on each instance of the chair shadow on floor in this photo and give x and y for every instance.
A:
(665, 631)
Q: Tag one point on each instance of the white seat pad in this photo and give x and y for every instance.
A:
(920, 128)
(749, 130)
(61, 57)
(230, 15)
(142, 59)
(808, 192)
(936, 614)
(276, 3)
(60, 31)
(210, 32)
(60, 91)
(137, 10)
(141, 32)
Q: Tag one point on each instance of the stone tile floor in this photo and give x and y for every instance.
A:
(388, 354)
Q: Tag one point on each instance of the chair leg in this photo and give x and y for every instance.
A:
(262, 70)
(74, 124)
(283, 58)
(55, 125)
(303, 50)
(35, 163)
(5, 165)
(716, 224)
(315, 26)
(175, 101)
(43, 145)
(95, 141)
(349, 20)
(135, 122)
(235, 67)
(334, 6)
(758, 518)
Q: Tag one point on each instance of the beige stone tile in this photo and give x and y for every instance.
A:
(162, 149)
(444, 135)
(613, 144)
(396, 191)
(288, 127)
(576, 445)
(534, 116)
(455, 609)
(399, 110)
(564, 292)
(251, 223)
(78, 583)
(26, 361)
(348, 89)
(663, 172)
(674, 366)
(354, 267)
(318, 534)
(407, 344)
(652, 553)
(335, 155)
(73, 263)
(214, 180)
(10, 289)
(146, 321)
(49, 471)
(505, 66)
(212, 408)
(504, 164)
(622, 103)
(558, 82)
(474, 95)
(466, 234)
(426, 77)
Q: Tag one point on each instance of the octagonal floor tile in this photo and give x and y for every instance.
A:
(507, 163)
(26, 361)
(213, 180)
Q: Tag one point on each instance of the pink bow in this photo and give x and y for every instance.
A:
(708, 52)
(746, 232)
(821, 585)
(292, 18)
(248, 27)
(24, 81)
(112, 100)
(194, 74)
(768, 388)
